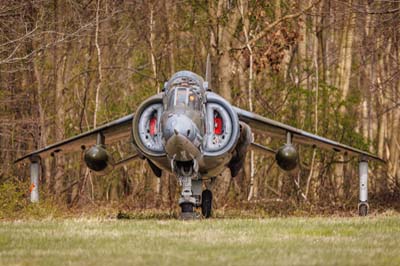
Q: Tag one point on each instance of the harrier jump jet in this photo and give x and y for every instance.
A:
(191, 132)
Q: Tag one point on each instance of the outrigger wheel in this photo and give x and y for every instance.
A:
(363, 209)
(206, 203)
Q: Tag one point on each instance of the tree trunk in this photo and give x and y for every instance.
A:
(60, 60)
(222, 36)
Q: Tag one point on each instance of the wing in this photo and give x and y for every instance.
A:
(280, 130)
(116, 130)
(262, 148)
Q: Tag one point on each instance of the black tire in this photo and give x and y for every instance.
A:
(363, 209)
(206, 203)
(187, 207)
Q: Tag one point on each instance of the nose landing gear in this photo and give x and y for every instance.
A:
(187, 211)
(188, 199)
(187, 207)
(191, 194)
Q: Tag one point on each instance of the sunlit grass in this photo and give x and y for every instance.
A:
(274, 241)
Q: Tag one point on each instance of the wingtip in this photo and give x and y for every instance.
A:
(369, 156)
(19, 159)
(33, 157)
(382, 161)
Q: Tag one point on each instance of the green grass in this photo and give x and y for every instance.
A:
(272, 241)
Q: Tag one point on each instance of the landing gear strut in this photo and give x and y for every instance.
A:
(363, 202)
(187, 200)
(191, 194)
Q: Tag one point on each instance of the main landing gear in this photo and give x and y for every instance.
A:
(206, 203)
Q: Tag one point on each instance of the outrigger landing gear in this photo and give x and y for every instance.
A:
(363, 206)
(35, 172)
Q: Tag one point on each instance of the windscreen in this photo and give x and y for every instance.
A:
(183, 97)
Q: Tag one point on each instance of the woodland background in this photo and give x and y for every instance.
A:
(330, 67)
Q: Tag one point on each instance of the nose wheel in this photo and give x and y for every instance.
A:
(206, 203)
(187, 211)
(192, 196)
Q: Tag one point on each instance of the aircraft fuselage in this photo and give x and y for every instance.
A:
(187, 126)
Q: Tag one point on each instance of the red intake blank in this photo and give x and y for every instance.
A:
(217, 125)
(153, 122)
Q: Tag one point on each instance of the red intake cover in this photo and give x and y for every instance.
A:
(217, 125)
(153, 122)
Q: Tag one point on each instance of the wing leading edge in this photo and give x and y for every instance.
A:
(276, 129)
(116, 130)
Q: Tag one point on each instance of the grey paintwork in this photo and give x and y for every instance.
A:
(188, 141)
(35, 170)
(262, 148)
(273, 128)
(116, 130)
(151, 142)
(217, 103)
(212, 159)
(363, 174)
(187, 127)
(214, 142)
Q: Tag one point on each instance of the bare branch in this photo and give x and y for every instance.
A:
(98, 64)
(279, 21)
(26, 35)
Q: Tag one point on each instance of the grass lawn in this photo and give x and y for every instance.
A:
(272, 241)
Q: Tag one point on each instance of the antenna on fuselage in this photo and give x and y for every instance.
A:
(208, 72)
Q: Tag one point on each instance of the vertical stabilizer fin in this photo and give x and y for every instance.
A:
(208, 71)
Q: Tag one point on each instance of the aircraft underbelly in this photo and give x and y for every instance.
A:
(209, 166)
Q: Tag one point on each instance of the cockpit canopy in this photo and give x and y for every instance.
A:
(184, 90)
(183, 97)
(185, 79)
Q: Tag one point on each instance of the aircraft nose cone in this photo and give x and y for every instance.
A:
(179, 124)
